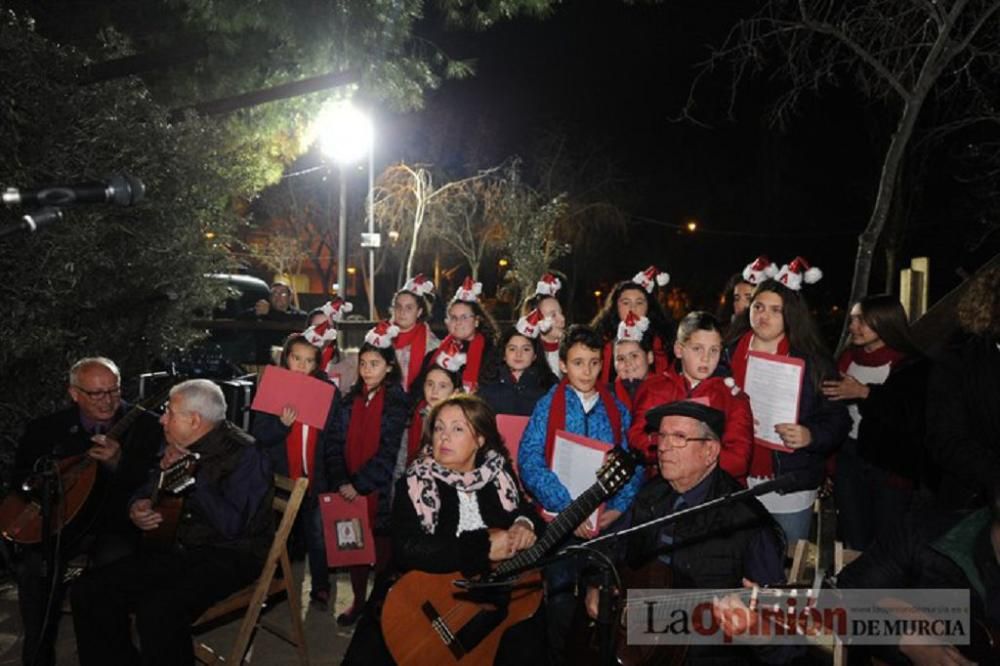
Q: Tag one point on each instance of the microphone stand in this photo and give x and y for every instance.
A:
(608, 573)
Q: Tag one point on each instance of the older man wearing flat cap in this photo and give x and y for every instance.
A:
(714, 549)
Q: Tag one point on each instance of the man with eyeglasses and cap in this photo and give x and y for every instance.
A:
(101, 529)
(714, 549)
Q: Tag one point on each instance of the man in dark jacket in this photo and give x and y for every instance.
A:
(122, 451)
(715, 549)
(224, 531)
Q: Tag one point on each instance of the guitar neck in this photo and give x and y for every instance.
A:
(126, 421)
(563, 524)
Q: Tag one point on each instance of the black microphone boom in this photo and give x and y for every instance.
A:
(121, 190)
(33, 221)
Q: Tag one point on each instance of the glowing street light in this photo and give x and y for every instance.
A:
(692, 226)
(345, 134)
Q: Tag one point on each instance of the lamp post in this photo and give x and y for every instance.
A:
(345, 135)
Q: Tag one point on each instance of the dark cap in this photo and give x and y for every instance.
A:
(713, 418)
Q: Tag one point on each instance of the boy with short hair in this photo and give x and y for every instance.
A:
(581, 405)
(694, 376)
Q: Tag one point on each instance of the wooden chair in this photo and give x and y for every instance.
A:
(253, 597)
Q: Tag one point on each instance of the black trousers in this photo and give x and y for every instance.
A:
(165, 591)
(40, 601)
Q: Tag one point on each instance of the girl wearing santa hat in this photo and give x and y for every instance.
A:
(546, 300)
(366, 443)
(298, 450)
(778, 322)
(322, 332)
(693, 376)
(410, 310)
(633, 357)
(518, 375)
(441, 380)
(638, 296)
(473, 329)
(739, 288)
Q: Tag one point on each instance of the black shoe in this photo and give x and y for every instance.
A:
(350, 616)
(320, 599)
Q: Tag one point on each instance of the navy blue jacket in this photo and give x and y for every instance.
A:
(509, 396)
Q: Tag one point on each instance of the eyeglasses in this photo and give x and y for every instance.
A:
(460, 319)
(99, 395)
(678, 440)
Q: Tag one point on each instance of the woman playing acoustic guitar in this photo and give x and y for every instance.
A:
(458, 509)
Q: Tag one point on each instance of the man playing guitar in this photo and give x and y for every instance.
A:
(101, 528)
(225, 528)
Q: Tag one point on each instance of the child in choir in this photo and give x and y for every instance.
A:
(298, 450)
(520, 376)
(695, 376)
(778, 322)
(442, 380)
(473, 329)
(546, 301)
(633, 355)
(322, 332)
(637, 296)
(580, 403)
(366, 444)
(410, 310)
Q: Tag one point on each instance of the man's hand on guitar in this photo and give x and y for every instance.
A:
(105, 451)
(348, 492)
(607, 517)
(142, 514)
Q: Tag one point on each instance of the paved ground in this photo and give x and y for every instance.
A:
(326, 641)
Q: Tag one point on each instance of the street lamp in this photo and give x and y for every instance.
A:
(345, 135)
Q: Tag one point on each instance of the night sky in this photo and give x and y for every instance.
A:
(613, 77)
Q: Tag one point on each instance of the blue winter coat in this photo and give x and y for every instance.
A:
(540, 482)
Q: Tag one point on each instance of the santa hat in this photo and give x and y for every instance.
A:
(336, 309)
(548, 285)
(794, 274)
(382, 335)
(469, 291)
(759, 269)
(320, 334)
(651, 277)
(419, 285)
(450, 356)
(632, 328)
(533, 323)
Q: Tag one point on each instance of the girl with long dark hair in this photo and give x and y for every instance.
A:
(410, 311)
(519, 374)
(778, 322)
(637, 296)
(546, 300)
(366, 444)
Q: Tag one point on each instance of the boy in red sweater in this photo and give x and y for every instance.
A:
(692, 377)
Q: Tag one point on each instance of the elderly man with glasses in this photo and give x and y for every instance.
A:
(713, 549)
(101, 529)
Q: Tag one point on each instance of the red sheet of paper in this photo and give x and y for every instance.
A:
(309, 396)
(511, 428)
(346, 531)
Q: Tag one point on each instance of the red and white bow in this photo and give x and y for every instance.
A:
(336, 310)
(759, 269)
(533, 323)
(632, 327)
(548, 285)
(382, 335)
(798, 271)
(419, 285)
(320, 334)
(450, 356)
(469, 291)
(651, 277)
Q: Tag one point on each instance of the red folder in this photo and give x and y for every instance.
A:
(511, 428)
(346, 531)
(279, 387)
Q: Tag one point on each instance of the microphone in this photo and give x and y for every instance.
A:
(121, 190)
(34, 221)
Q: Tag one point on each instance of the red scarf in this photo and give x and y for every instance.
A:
(661, 361)
(607, 363)
(622, 393)
(473, 359)
(416, 429)
(550, 346)
(416, 340)
(761, 464)
(884, 355)
(557, 416)
(293, 448)
(364, 435)
(325, 356)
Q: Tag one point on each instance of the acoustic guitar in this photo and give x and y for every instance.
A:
(21, 510)
(168, 501)
(428, 620)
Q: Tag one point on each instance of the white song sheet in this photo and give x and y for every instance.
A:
(774, 384)
(575, 460)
